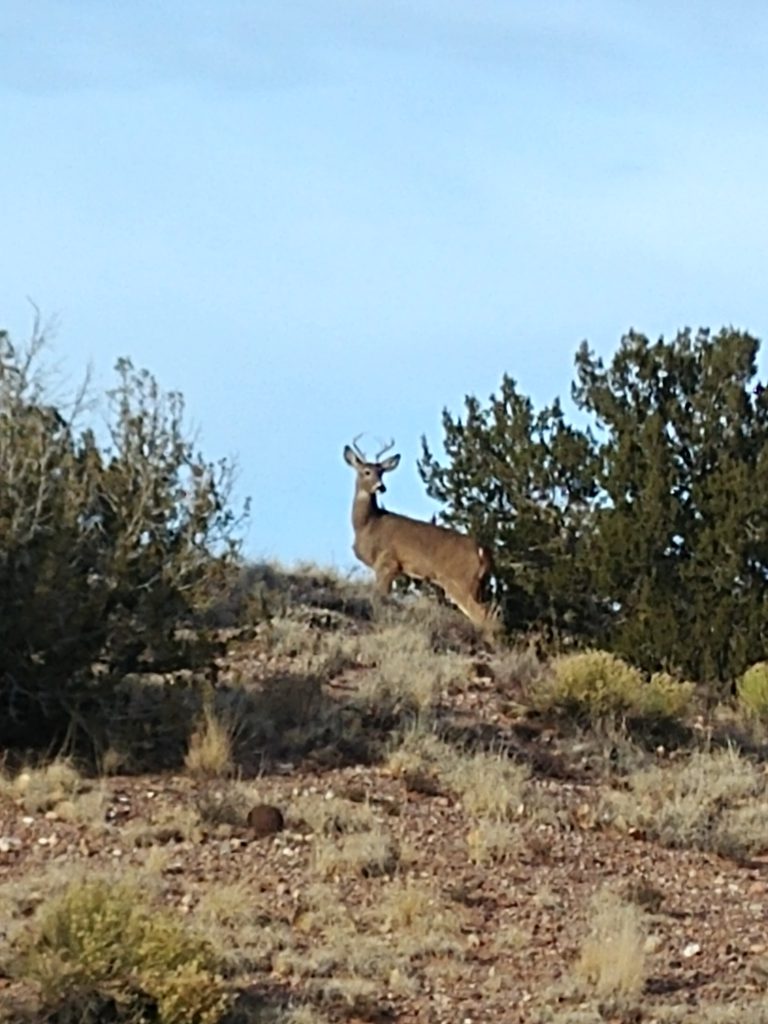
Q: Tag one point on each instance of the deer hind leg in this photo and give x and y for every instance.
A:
(484, 616)
(472, 608)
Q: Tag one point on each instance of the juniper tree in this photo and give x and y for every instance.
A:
(681, 539)
(106, 549)
(523, 482)
(646, 532)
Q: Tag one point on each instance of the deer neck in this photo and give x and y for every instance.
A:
(365, 509)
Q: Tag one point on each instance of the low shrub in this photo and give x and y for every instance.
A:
(102, 943)
(711, 801)
(752, 690)
(594, 685)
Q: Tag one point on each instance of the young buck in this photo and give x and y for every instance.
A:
(394, 545)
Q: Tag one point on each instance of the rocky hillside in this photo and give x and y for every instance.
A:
(370, 815)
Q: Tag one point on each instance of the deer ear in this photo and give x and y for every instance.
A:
(391, 463)
(351, 457)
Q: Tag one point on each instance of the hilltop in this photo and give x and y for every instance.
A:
(468, 834)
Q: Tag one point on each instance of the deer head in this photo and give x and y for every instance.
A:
(369, 474)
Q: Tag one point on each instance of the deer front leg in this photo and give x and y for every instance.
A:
(387, 572)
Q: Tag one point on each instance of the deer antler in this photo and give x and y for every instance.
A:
(386, 448)
(360, 454)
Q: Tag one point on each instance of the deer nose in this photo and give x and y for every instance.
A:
(380, 487)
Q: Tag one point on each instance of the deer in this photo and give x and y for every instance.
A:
(395, 545)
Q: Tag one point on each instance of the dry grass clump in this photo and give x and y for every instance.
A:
(242, 926)
(492, 841)
(337, 955)
(294, 639)
(210, 754)
(406, 671)
(419, 920)
(595, 685)
(366, 854)
(711, 801)
(166, 825)
(223, 805)
(489, 785)
(41, 789)
(100, 943)
(58, 790)
(517, 669)
(312, 651)
(385, 948)
(322, 586)
(261, 592)
(329, 815)
(611, 964)
(303, 1014)
(747, 1011)
(419, 751)
(443, 626)
(509, 936)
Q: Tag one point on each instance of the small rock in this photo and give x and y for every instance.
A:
(265, 820)
(691, 950)
(8, 843)
(422, 782)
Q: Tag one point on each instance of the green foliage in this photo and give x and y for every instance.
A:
(103, 939)
(665, 697)
(594, 685)
(106, 549)
(645, 533)
(752, 690)
(681, 540)
(522, 482)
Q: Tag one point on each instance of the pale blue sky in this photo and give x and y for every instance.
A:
(320, 218)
